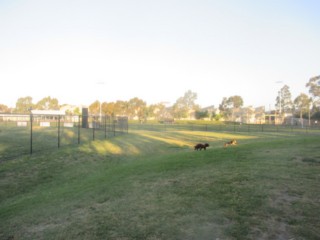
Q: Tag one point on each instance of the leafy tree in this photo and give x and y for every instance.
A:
(223, 107)
(4, 108)
(68, 112)
(184, 105)
(283, 100)
(108, 108)
(159, 111)
(314, 88)
(48, 103)
(24, 104)
(94, 108)
(228, 105)
(76, 111)
(316, 116)
(216, 117)
(235, 102)
(121, 108)
(189, 99)
(302, 104)
(201, 114)
(103, 108)
(137, 108)
(179, 110)
(152, 111)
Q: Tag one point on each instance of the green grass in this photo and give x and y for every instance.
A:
(153, 185)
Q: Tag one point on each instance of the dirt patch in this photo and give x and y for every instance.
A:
(43, 227)
(281, 206)
(283, 199)
(274, 229)
(311, 160)
(308, 160)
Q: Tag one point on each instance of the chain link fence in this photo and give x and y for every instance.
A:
(27, 134)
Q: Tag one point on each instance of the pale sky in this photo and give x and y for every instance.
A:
(81, 51)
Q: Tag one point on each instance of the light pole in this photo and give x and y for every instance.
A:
(101, 83)
(280, 92)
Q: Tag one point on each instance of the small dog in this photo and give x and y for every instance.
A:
(201, 146)
(232, 142)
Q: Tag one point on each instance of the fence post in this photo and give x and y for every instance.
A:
(127, 121)
(105, 126)
(93, 127)
(79, 129)
(114, 127)
(109, 123)
(31, 120)
(58, 131)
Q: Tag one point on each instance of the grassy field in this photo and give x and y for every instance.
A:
(153, 185)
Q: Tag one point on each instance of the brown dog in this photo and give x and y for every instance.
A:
(201, 146)
(232, 142)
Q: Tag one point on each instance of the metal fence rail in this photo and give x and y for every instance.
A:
(228, 127)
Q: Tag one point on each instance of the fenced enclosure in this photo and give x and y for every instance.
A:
(26, 134)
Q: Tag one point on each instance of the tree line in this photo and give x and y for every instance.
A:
(134, 108)
(303, 105)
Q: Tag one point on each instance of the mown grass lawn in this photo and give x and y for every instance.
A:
(153, 185)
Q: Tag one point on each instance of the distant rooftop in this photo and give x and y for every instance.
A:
(48, 112)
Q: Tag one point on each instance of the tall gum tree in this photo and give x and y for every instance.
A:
(184, 105)
(314, 89)
(283, 101)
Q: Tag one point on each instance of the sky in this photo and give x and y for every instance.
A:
(79, 51)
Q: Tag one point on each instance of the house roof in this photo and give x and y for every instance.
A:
(48, 112)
